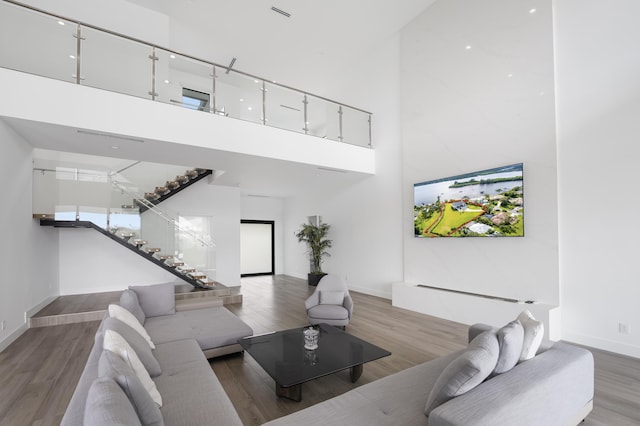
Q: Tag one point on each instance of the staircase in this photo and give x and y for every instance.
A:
(133, 241)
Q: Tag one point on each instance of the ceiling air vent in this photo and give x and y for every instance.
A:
(280, 11)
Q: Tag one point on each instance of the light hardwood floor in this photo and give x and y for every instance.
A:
(38, 372)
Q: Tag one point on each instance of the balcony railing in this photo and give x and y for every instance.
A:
(67, 50)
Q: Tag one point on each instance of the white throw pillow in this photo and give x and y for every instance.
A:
(331, 297)
(117, 311)
(465, 372)
(115, 343)
(533, 334)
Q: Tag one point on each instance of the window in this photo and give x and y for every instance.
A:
(193, 99)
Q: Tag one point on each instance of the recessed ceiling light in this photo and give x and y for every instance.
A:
(256, 81)
(172, 56)
(72, 56)
(532, 11)
(166, 81)
(468, 47)
(60, 22)
(250, 108)
(241, 100)
(509, 75)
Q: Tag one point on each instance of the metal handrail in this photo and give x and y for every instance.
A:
(153, 45)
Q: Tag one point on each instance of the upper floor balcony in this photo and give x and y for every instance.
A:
(221, 109)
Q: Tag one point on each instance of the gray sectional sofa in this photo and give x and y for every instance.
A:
(191, 393)
(555, 387)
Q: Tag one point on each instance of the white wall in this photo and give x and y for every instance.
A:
(469, 109)
(598, 105)
(261, 208)
(365, 216)
(29, 252)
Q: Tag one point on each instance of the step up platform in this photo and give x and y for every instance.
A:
(93, 307)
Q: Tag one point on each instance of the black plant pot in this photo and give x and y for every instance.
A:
(314, 279)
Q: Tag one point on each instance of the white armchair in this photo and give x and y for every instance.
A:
(330, 303)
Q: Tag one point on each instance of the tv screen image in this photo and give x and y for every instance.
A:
(486, 203)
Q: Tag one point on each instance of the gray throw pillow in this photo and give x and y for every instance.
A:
(137, 343)
(466, 371)
(510, 339)
(107, 405)
(156, 300)
(112, 366)
(129, 301)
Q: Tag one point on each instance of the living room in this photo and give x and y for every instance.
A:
(527, 91)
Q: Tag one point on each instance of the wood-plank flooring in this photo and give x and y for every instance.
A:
(39, 371)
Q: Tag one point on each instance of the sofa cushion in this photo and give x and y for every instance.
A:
(127, 317)
(333, 312)
(211, 328)
(116, 343)
(466, 371)
(510, 338)
(331, 297)
(156, 300)
(191, 392)
(129, 301)
(137, 343)
(533, 334)
(112, 366)
(107, 405)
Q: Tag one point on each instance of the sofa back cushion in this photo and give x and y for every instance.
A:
(137, 343)
(510, 339)
(127, 317)
(112, 366)
(107, 405)
(129, 301)
(466, 371)
(116, 344)
(156, 300)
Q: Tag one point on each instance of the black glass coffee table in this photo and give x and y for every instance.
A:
(283, 356)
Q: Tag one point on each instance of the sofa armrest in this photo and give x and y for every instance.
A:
(549, 389)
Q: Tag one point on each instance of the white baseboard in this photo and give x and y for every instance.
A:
(34, 310)
(12, 337)
(604, 344)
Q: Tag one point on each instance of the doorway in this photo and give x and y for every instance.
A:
(257, 248)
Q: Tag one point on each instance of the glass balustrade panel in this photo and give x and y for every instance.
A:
(323, 119)
(355, 127)
(238, 96)
(284, 108)
(116, 64)
(193, 250)
(52, 53)
(184, 81)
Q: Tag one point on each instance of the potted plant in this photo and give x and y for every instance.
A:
(314, 235)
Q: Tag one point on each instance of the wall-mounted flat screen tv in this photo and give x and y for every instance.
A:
(487, 203)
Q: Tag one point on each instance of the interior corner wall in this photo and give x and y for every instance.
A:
(365, 215)
(598, 105)
(478, 92)
(29, 253)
